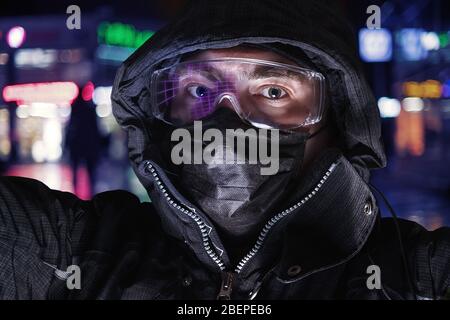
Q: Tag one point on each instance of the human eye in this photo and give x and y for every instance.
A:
(197, 90)
(196, 86)
(273, 92)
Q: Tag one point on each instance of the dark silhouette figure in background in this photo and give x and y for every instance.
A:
(83, 140)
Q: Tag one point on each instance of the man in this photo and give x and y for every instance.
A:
(312, 230)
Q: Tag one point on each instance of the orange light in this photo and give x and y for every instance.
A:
(432, 89)
(49, 92)
(412, 89)
(428, 89)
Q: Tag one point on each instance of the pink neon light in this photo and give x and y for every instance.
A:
(16, 37)
(50, 92)
(88, 91)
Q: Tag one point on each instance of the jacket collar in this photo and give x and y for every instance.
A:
(331, 228)
(326, 230)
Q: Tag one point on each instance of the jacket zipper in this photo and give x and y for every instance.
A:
(275, 219)
(190, 212)
(227, 277)
(227, 286)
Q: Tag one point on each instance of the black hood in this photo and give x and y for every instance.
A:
(312, 28)
(306, 31)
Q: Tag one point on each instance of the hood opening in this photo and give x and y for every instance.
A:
(310, 32)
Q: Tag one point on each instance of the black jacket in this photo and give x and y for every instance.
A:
(127, 250)
(318, 246)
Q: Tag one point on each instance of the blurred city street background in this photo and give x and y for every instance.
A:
(56, 123)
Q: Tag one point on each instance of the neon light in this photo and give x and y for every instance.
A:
(103, 110)
(443, 39)
(412, 89)
(113, 53)
(123, 35)
(3, 58)
(414, 44)
(432, 89)
(87, 91)
(102, 95)
(430, 40)
(389, 108)
(446, 89)
(411, 44)
(16, 37)
(38, 58)
(413, 104)
(50, 92)
(375, 45)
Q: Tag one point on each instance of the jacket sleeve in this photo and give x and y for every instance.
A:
(432, 260)
(43, 231)
(427, 256)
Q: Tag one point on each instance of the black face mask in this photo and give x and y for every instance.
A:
(236, 196)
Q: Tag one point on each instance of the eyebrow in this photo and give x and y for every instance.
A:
(262, 72)
(212, 73)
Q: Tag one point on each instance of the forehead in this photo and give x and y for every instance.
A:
(240, 52)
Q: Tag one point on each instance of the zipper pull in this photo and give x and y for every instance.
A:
(227, 286)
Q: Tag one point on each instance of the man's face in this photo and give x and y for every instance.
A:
(314, 145)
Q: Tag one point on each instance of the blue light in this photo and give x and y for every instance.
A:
(375, 45)
(411, 45)
(113, 54)
(446, 89)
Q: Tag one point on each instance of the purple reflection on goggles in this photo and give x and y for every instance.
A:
(207, 104)
(203, 106)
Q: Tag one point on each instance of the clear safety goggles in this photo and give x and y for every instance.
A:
(266, 94)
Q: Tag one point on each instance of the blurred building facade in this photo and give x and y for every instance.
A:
(44, 67)
(407, 62)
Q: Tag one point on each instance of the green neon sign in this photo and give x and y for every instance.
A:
(123, 35)
(444, 39)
